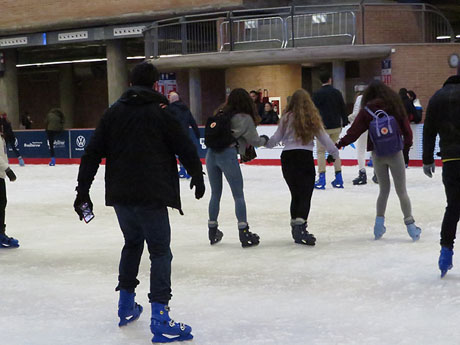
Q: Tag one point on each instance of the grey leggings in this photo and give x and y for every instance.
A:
(395, 164)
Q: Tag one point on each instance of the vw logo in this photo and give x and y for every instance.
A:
(81, 141)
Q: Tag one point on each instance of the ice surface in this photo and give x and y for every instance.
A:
(58, 287)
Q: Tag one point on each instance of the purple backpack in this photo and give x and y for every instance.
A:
(384, 133)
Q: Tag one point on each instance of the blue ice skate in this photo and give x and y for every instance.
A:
(183, 173)
(445, 260)
(166, 330)
(379, 228)
(52, 163)
(21, 161)
(414, 231)
(338, 182)
(8, 242)
(321, 182)
(128, 310)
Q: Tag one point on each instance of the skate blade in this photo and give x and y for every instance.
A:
(160, 338)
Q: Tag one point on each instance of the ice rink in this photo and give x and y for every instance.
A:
(58, 287)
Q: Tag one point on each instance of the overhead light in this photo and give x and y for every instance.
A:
(443, 37)
(40, 64)
(458, 36)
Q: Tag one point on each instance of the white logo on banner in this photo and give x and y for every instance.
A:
(80, 141)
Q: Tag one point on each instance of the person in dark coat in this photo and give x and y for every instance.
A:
(331, 106)
(443, 119)
(54, 124)
(140, 140)
(257, 101)
(411, 114)
(185, 118)
(269, 117)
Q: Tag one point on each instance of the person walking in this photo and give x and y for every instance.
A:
(140, 140)
(387, 157)
(443, 119)
(185, 118)
(241, 111)
(331, 106)
(298, 127)
(5, 171)
(361, 143)
(54, 124)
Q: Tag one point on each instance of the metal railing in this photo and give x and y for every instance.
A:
(295, 26)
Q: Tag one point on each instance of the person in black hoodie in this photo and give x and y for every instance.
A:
(269, 117)
(443, 118)
(411, 113)
(185, 118)
(140, 140)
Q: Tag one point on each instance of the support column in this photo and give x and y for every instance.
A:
(67, 93)
(9, 100)
(195, 94)
(338, 76)
(117, 69)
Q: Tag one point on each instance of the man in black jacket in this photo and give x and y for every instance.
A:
(140, 141)
(185, 118)
(443, 118)
(331, 106)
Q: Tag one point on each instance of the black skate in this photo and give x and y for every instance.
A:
(301, 235)
(374, 179)
(247, 238)
(361, 179)
(215, 235)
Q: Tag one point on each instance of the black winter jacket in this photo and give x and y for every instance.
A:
(184, 116)
(443, 118)
(270, 118)
(139, 139)
(331, 106)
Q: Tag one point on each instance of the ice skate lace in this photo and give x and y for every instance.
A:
(172, 323)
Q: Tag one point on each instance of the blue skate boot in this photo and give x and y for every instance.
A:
(215, 235)
(338, 182)
(321, 182)
(300, 233)
(8, 242)
(128, 310)
(379, 228)
(182, 172)
(21, 161)
(445, 260)
(166, 330)
(413, 230)
(52, 163)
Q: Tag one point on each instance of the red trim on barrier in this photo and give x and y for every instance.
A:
(267, 162)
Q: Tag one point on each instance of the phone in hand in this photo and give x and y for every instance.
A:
(87, 212)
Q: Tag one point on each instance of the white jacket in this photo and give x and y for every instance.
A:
(356, 109)
(3, 159)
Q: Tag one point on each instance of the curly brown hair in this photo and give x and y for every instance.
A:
(307, 121)
(393, 103)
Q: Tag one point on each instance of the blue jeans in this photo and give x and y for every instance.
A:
(225, 162)
(150, 224)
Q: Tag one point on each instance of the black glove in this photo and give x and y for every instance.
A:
(266, 138)
(330, 159)
(198, 182)
(81, 198)
(10, 174)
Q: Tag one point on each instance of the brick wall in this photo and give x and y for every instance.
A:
(280, 80)
(422, 68)
(29, 15)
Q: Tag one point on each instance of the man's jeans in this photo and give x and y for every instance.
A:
(150, 224)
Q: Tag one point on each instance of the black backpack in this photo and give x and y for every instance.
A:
(218, 131)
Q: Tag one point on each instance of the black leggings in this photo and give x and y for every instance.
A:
(451, 180)
(2, 205)
(299, 172)
(51, 135)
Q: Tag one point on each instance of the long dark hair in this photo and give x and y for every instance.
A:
(239, 102)
(393, 103)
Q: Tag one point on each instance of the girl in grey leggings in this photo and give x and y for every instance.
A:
(379, 96)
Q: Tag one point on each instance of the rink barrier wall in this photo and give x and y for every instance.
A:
(69, 147)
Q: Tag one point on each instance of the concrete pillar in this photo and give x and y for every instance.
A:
(67, 93)
(338, 76)
(9, 100)
(195, 94)
(117, 69)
